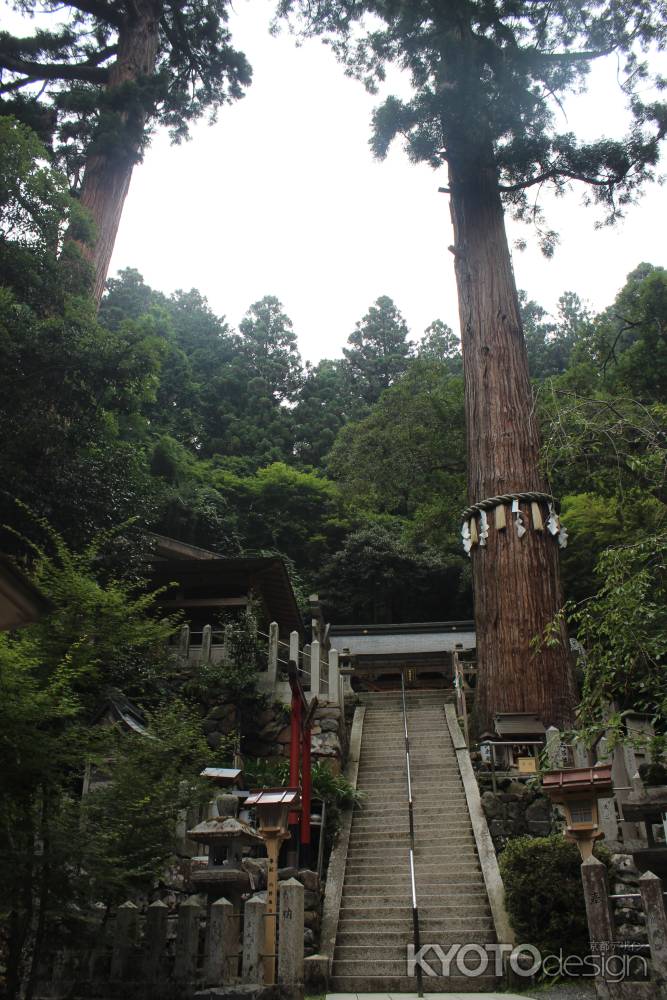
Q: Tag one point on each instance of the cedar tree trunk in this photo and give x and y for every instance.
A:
(516, 581)
(107, 174)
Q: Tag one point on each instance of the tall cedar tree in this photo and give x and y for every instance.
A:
(488, 79)
(379, 350)
(108, 74)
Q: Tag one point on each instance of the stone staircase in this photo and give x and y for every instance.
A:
(375, 919)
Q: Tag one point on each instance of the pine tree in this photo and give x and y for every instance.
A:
(487, 79)
(110, 73)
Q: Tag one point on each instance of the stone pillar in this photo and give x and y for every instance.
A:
(600, 921)
(124, 940)
(608, 819)
(315, 669)
(653, 902)
(553, 747)
(253, 938)
(582, 757)
(155, 940)
(184, 641)
(294, 647)
(290, 934)
(273, 653)
(221, 944)
(334, 678)
(187, 941)
(206, 641)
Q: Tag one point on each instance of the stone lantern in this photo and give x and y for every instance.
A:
(577, 790)
(225, 836)
(272, 807)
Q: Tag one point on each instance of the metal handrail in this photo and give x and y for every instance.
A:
(415, 907)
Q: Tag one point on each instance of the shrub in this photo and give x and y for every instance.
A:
(544, 895)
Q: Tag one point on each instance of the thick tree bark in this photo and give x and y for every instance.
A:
(107, 174)
(516, 581)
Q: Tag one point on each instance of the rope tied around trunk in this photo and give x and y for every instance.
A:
(528, 496)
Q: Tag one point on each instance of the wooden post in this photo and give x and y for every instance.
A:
(221, 944)
(315, 669)
(600, 921)
(273, 653)
(124, 940)
(253, 927)
(155, 940)
(272, 850)
(187, 941)
(206, 642)
(334, 678)
(653, 902)
(306, 789)
(290, 949)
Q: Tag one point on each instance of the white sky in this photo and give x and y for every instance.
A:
(283, 197)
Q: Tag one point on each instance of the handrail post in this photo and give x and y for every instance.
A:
(315, 668)
(415, 908)
(272, 659)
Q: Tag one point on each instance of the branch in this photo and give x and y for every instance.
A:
(101, 10)
(56, 71)
(585, 56)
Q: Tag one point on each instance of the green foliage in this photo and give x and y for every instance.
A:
(623, 629)
(233, 679)
(440, 343)
(379, 350)
(544, 895)
(488, 82)
(408, 453)
(268, 347)
(184, 67)
(334, 789)
(129, 824)
(378, 577)
(34, 201)
(54, 849)
(325, 403)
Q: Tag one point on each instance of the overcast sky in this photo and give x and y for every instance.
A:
(283, 197)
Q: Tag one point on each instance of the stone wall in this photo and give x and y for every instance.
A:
(267, 734)
(629, 915)
(518, 810)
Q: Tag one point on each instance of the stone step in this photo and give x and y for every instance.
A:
(393, 947)
(394, 895)
(423, 856)
(440, 884)
(437, 839)
(396, 965)
(424, 829)
(421, 806)
(353, 927)
(435, 874)
(454, 906)
(391, 778)
(343, 983)
(465, 853)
